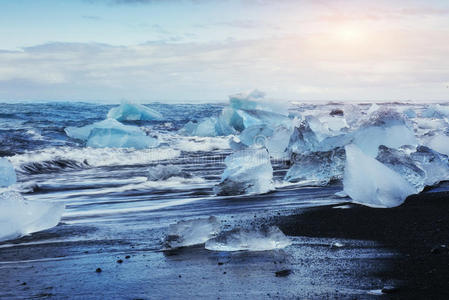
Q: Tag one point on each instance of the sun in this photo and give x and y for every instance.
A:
(348, 33)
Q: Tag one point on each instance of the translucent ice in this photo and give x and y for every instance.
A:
(369, 182)
(317, 168)
(163, 172)
(19, 217)
(207, 127)
(261, 239)
(247, 172)
(133, 112)
(274, 139)
(7, 173)
(191, 232)
(439, 143)
(435, 165)
(113, 134)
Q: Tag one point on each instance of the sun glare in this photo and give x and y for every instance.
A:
(349, 33)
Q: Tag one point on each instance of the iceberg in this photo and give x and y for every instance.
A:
(317, 168)
(110, 133)
(7, 173)
(191, 232)
(19, 217)
(369, 182)
(435, 165)
(161, 172)
(247, 172)
(261, 239)
(133, 112)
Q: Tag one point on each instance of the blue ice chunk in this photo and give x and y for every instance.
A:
(7, 173)
(19, 217)
(110, 133)
(207, 127)
(133, 112)
(247, 172)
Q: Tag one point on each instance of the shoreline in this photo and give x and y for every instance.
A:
(418, 230)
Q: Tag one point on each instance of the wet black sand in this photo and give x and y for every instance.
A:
(418, 230)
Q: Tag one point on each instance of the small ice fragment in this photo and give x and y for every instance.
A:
(336, 245)
(263, 239)
(19, 217)
(164, 172)
(247, 172)
(7, 173)
(369, 182)
(133, 112)
(341, 194)
(191, 232)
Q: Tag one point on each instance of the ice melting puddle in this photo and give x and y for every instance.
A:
(191, 232)
(262, 239)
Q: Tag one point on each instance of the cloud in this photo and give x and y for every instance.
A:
(400, 65)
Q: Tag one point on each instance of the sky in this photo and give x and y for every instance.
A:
(205, 50)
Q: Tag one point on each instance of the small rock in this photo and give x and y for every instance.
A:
(119, 261)
(336, 112)
(283, 273)
(98, 270)
(24, 283)
(127, 257)
(220, 263)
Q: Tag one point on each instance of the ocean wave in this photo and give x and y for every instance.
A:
(52, 159)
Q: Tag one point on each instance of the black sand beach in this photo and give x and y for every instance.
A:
(418, 230)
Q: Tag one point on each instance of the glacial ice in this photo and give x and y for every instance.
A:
(7, 173)
(19, 217)
(274, 139)
(191, 232)
(435, 165)
(110, 133)
(208, 127)
(247, 172)
(133, 112)
(439, 143)
(369, 182)
(317, 168)
(164, 172)
(257, 239)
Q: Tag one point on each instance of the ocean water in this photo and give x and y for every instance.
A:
(112, 209)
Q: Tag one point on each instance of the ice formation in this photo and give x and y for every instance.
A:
(7, 173)
(369, 182)
(247, 172)
(19, 217)
(257, 239)
(207, 127)
(110, 133)
(275, 139)
(317, 168)
(133, 112)
(191, 232)
(163, 172)
(439, 143)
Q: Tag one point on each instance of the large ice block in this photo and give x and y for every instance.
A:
(255, 239)
(191, 232)
(7, 173)
(110, 133)
(317, 168)
(247, 172)
(133, 112)
(369, 182)
(19, 217)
